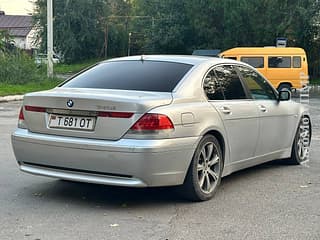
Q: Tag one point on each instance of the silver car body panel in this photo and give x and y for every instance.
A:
(113, 155)
(148, 162)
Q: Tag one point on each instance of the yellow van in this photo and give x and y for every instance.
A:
(284, 67)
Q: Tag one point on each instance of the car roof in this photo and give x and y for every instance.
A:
(263, 50)
(184, 59)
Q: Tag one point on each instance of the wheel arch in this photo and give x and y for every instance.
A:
(221, 139)
(284, 83)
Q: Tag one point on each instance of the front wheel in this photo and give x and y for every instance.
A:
(205, 170)
(301, 143)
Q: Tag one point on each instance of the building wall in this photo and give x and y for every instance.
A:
(20, 42)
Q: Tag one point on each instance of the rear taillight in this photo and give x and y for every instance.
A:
(21, 116)
(115, 114)
(153, 122)
(34, 109)
(21, 123)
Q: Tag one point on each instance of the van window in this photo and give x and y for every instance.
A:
(297, 62)
(279, 62)
(256, 62)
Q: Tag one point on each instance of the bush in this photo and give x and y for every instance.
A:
(16, 67)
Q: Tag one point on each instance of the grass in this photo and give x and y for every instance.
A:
(315, 81)
(62, 68)
(16, 89)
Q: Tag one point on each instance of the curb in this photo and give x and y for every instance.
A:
(11, 98)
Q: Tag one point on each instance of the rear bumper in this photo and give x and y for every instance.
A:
(126, 162)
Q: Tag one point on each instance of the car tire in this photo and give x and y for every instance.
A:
(284, 86)
(301, 143)
(205, 170)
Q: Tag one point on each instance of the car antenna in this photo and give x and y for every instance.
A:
(142, 58)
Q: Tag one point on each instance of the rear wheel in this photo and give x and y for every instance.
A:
(301, 143)
(204, 174)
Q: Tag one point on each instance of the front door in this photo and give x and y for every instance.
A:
(277, 119)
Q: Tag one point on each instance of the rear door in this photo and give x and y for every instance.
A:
(225, 92)
(277, 118)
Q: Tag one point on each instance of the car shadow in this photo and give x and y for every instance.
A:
(94, 195)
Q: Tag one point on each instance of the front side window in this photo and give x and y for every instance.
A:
(230, 82)
(256, 62)
(279, 62)
(157, 76)
(258, 86)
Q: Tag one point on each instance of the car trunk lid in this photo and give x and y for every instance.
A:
(108, 114)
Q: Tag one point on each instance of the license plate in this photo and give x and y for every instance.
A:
(72, 122)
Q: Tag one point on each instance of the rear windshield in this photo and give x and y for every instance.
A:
(154, 76)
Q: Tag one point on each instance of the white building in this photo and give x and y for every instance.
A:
(20, 28)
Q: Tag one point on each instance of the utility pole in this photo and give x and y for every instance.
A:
(106, 32)
(49, 39)
(129, 43)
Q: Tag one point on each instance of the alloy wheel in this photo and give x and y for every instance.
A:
(208, 167)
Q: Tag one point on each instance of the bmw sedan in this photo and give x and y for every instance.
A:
(163, 120)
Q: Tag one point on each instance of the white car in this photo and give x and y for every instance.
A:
(160, 121)
(43, 59)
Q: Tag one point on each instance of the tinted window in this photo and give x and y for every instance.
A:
(279, 62)
(256, 62)
(297, 62)
(258, 86)
(230, 82)
(212, 87)
(131, 75)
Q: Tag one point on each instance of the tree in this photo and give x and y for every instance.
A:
(167, 29)
(6, 41)
(78, 27)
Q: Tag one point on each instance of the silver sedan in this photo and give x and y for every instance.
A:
(160, 121)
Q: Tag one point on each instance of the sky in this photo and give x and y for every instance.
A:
(16, 7)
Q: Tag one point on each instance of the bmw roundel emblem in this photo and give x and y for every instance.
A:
(70, 103)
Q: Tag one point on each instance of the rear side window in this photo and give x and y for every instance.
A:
(279, 62)
(256, 62)
(154, 76)
(229, 82)
(212, 87)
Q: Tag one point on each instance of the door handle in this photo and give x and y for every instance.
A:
(225, 110)
(262, 108)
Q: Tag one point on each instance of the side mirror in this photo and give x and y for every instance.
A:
(284, 95)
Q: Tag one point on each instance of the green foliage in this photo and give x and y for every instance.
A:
(6, 42)
(83, 29)
(19, 68)
(63, 68)
(78, 27)
(14, 89)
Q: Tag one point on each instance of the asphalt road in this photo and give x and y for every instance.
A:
(270, 201)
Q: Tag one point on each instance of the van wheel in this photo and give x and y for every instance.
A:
(205, 170)
(284, 86)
